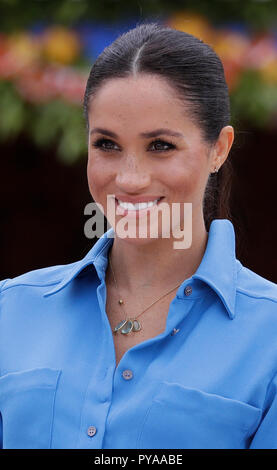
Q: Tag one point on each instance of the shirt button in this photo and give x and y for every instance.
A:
(188, 290)
(91, 431)
(174, 331)
(127, 374)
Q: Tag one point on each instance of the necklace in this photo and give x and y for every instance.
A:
(132, 324)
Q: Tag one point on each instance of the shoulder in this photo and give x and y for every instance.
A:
(256, 300)
(41, 277)
(251, 284)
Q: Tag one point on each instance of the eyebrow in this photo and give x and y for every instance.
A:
(155, 133)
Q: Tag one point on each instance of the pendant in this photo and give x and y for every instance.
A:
(136, 325)
(126, 326)
(120, 325)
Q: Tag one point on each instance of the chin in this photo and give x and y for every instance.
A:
(132, 236)
(139, 242)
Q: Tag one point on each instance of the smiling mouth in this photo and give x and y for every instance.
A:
(129, 206)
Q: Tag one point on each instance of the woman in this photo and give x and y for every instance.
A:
(140, 344)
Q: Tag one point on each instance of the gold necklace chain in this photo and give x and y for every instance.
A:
(132, 324)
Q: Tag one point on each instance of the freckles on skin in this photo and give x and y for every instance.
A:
(128, 106)
(188, 172)
(99, 175)
(123, 103)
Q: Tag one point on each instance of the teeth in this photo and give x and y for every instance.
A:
(138, 206)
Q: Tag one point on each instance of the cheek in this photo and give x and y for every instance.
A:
(188, 175)
(98, 176)
(183, 178)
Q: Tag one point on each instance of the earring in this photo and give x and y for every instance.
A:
(215, 170)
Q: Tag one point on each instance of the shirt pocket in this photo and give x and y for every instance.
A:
(186, 418)
(27, 405)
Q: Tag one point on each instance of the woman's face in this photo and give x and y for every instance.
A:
(135, 167)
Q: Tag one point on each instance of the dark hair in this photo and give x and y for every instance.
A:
(196, 73)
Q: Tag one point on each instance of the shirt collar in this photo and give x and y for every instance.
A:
(96, 257)
(217, 269)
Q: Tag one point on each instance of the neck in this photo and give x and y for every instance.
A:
(155, 265)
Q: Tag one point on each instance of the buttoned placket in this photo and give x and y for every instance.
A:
(115, 383)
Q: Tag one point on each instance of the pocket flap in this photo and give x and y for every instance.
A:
(186, 418)
(30, 378)
(27, 401)
(210, 405)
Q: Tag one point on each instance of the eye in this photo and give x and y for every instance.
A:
(100, 144)
(108, 145)
(160, 145)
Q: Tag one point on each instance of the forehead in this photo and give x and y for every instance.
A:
(145, 96)
(136, 85)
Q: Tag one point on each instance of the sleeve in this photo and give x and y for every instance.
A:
(1, 432)
(2, 282)
(266, 434)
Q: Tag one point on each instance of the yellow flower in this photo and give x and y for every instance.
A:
(191, 23)
(269, 71)
(231, 46)
(61, 45)
(23, 47)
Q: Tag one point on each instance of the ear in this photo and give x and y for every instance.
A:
(222, 147)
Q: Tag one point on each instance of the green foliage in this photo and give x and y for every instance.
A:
(12, 111)
(16, 14)
(53, 123)
(61, 122)
(253, 101)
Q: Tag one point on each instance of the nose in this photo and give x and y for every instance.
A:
(132, 175)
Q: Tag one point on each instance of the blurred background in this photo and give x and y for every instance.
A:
(46, 51)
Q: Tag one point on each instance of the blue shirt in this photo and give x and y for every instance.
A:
(208, 381)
